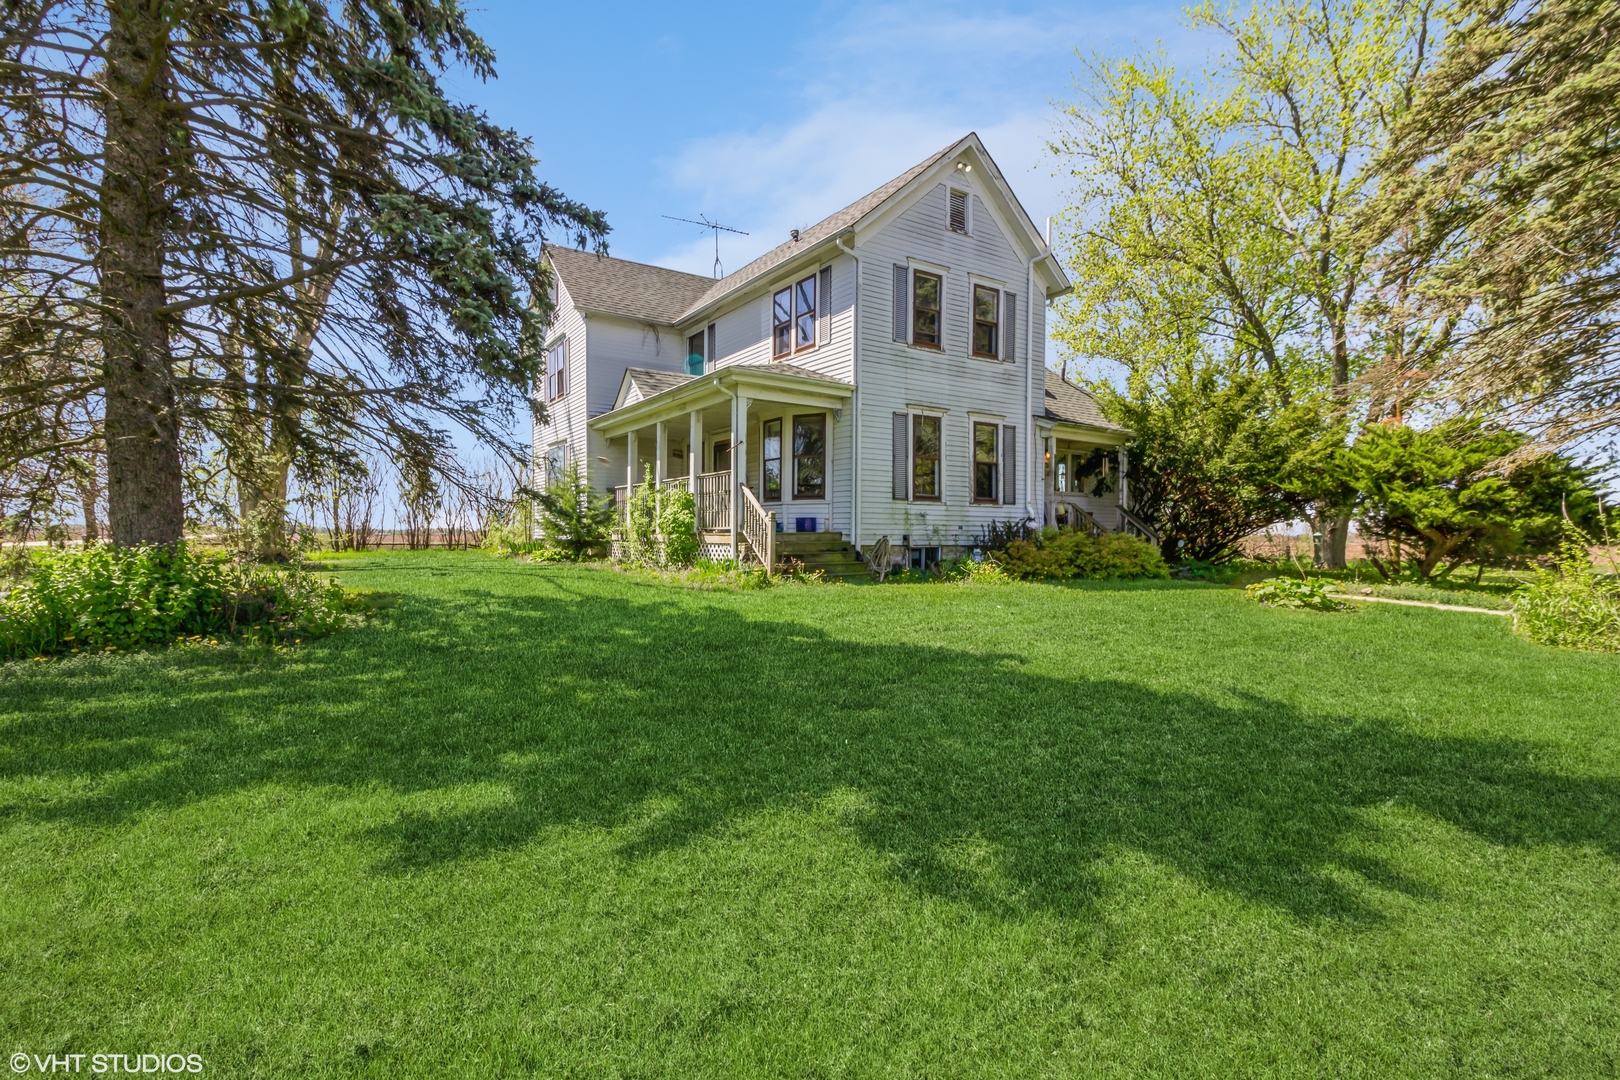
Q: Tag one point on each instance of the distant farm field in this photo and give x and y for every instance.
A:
(552, 821)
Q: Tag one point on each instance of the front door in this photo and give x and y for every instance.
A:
(722, 455)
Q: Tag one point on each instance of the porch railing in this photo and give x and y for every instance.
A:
(713, 499)
(759, 529)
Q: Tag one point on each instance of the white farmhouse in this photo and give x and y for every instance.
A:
(880, 376)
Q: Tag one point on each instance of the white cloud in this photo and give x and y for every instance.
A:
(894, 83)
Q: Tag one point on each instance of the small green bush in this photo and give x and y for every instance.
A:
(1072, 554)
(1570, 607)
(104, 598)
(677, 523)
(1293, 593)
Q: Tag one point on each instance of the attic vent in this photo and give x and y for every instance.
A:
(958, 211)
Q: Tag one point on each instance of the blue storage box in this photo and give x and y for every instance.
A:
(804, 524)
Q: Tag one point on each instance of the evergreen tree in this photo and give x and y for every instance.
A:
(270, 218)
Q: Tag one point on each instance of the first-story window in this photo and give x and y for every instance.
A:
(986, 322)
(985, 463)
(557, 371)
(925, 298)
(810, 456)
(771, 459)
(925, 457)
(556, 462)
(782, 323)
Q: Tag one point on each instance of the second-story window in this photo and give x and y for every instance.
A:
(557, 371)
(804, 310)
(925, 294)
(793, 318)
(694, 354)
(986, 322)
(782, 323)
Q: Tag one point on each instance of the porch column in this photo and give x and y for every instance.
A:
(630, 463)
(1047, 488)
(1124, 491)
(663, 451)
(739, 465)
(694, 448)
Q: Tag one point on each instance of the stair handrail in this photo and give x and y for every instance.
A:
(759, 529)
(1133, 523)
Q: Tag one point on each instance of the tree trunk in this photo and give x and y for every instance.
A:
(1335, 541)
(144, 502)
(89, 495)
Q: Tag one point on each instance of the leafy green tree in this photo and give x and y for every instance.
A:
(1501, 199)
(1445, 495)
(1214, 459)
(1214, 221)
(265, 214)
(574, 520)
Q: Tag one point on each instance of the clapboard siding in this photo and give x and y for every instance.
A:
(743, 331)
(895, 376)
(565, 419)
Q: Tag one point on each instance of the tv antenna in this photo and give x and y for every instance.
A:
(716, 227)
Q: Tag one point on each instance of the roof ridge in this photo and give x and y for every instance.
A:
(630, 262)
(737, 278)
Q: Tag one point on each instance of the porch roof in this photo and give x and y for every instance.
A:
(1071, 413)
(774, 382)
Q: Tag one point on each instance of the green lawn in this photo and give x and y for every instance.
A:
(566, 822)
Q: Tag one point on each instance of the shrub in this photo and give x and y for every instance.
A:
(1571, 606)
(996, 535)
(1072, 554)
(574, 519)
(106, 598)
(1300, 594)
(512, 533)
(677, 523)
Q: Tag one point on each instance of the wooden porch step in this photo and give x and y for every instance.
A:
(827, 552)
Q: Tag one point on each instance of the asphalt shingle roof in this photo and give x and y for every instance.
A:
(655, 294)
(1067, 403)
(621, 287)
(821, 230)
(650, 381)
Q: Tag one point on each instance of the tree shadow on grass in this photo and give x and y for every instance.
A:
(984, 781)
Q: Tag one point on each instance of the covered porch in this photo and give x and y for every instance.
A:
(1085, 480)
(754, 445)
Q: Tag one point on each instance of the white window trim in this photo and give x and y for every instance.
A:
(944, 275)
(1001, 458)
(914, 411)
(770, 314)
(1001, 317)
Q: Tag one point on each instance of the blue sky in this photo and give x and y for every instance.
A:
(770, 117)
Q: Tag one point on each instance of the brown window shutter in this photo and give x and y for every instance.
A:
(902, 456)
(1009, 464)
(824, 305)
(1009, 327)
(902, 277)
(711, 357)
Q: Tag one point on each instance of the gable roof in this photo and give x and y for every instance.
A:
(670, 297)
(824, 229)
(1068, 404)
(621, 287)
(640, 383)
